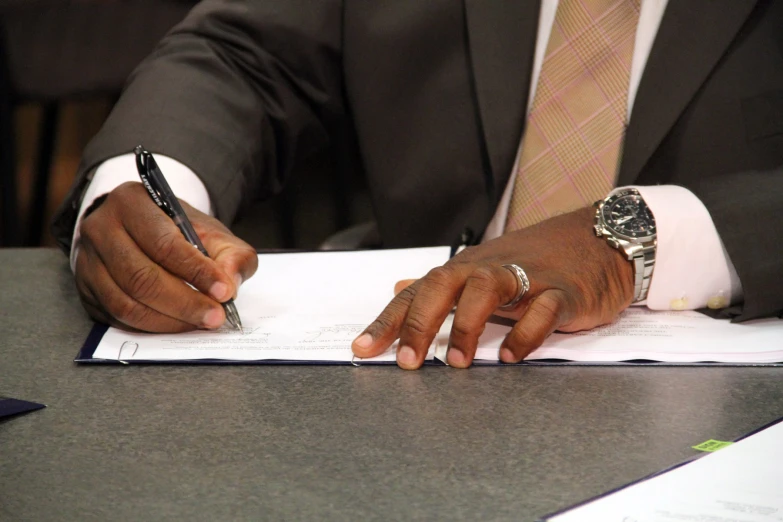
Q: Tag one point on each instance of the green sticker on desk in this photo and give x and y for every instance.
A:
(712, 445)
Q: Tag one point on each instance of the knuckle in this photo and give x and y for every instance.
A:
(461, 331)
(383, 322)
(440, 277)
(404, 298)
(123, 195)
(390, 320)
(484, 280)
(165, 244)
(195, 269)
(143, 283)
(129, 311)
(127, 188)
(198, 272)
(418, 325)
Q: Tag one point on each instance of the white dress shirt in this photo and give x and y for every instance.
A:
(692, 267)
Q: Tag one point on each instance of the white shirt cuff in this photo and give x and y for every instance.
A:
(692, 268)
(115, 171)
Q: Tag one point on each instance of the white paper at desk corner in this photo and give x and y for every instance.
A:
(309, 306)
(740, 483)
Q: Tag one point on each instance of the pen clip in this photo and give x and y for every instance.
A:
(160, 192)
(145, 165)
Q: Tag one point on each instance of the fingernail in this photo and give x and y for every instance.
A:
(237, 281)
(456, 358)
(364, 341)
(214, 318)
(406, 357)
(218, 291)
(507, 356)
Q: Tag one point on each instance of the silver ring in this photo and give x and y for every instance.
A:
(523, 285)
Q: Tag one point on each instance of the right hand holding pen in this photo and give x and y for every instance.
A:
(133, 263)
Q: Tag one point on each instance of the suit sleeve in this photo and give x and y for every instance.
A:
(747, 210)
(235, 92)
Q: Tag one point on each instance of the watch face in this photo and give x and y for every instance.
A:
(627, 214)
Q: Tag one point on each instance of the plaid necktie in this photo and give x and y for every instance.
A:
(573, 139)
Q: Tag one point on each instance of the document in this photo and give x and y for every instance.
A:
(297, 307)
(675, 337)
(308, 307)
(742, 482)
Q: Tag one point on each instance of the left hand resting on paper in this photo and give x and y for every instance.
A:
(577, 282)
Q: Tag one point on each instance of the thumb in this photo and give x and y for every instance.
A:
(235, 257)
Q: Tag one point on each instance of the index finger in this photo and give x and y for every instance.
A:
(435, 293)
(382, 332)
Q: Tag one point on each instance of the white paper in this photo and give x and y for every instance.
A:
(739, 483)
(297, 307)
(678, 337)
(310, 306)
(288, 338)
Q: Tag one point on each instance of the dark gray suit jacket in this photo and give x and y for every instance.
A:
(427, 99)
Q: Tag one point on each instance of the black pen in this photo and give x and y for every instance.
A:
(160, 192)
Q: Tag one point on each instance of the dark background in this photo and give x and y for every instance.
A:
(62, 66)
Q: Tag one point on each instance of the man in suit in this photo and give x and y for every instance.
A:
(510, 118)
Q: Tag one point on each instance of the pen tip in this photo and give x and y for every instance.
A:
(237, 322)
(232, 316)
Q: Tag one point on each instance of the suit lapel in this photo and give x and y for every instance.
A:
(502, 42)
(692, 37)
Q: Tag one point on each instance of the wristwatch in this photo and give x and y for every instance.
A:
(626, 222)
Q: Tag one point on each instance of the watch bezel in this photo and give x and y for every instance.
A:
(607, 203)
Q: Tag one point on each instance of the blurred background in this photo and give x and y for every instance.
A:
(62, 66)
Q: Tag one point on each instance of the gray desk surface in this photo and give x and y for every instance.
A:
(276, 442)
